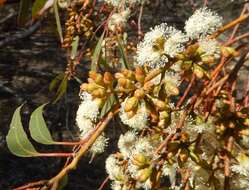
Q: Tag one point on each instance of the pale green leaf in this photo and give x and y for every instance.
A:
(17, 140)
(61, 90)
(123, 56)
(56, 81)
(24, 12)
(38, 128)
(37, 6)
(75, 44)
(111, 100)
(57, 19)
(96, 53)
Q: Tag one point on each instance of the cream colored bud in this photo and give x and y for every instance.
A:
(144, 174)
(183, 155)
(160, 105)
(99, 93)
(139, 74)
(140, 160)
(198, 71)
(131, 104)
(139, 93)
(171, 89)
(108, 78)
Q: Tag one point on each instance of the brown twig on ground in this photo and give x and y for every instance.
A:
(10, 39)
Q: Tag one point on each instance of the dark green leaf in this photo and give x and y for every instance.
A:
(23, 15)
(58, 22)
(75, 44)
(38, 128)
(56, 81)
(37, 6)
(122, 53)
(17, 140)
(96, 53)
(111, 100)
(61, 90)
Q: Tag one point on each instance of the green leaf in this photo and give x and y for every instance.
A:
(122, 53)
(96, 53)
(111, 100)
(61, 90)
(75, 44)
(17, 140)
(38, 128)
(37, 6)
(55, 81)
(57, 19)
(23, 14)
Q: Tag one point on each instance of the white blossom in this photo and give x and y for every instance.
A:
(118, 20)
(209, 47)
(126, 143)
(113, 169)
(88, 108)
(202, 23)
(242, 167)
(160, 43)
(138, 121)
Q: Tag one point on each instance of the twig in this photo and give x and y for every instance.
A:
(30, 185)
(99, 129)
(103, 183)
(22, 35)
(186, 92)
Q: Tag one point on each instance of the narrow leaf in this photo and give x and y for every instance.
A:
(122, 53)
(38, 128)
(111, 100)
(23, 14)
(63, 182)
(57, 19)
(61, 90)
(55, 81)
(37, 6)
(75, 44)
(96, 53)
(17, 140)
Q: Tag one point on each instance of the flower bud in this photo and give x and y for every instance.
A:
(99, 93)
(128, 74)
(139, 94)
(108, 78)
(144, 174)
(140, 160)
(171, 89)
(229, 51)
(99, 79)
(160, 105)
(139, 74)
(186, 65)
(131, 104)
(207, 59)
(198, 71)
(183, 155)
(93, 75)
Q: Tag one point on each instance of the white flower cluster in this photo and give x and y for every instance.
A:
(161, 43)
(164, 42)
(242, 167)
(137, 121)
(117, 3)
(202, 23)
(209, 47)
(137, 152)
(118, 20)
(86, 117)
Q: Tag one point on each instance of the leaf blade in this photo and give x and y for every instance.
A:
(111, 100)
(38, 128)
(96, 53)
(17, 140)
(57, 19)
